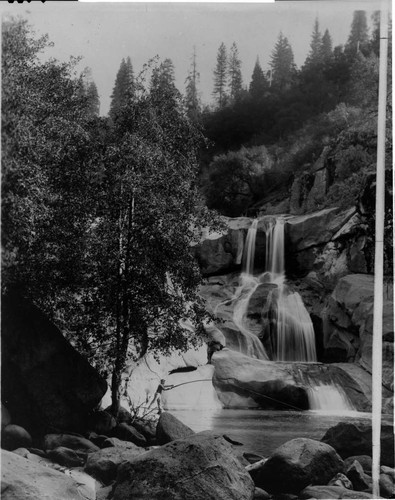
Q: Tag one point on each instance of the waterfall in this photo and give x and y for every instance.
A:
(329, 398)
(248, 262)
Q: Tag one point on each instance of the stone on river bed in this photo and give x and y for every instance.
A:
(296, 464)
(199, 467)
(332, 493)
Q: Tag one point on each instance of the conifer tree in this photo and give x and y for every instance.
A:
(123, 91)
(282, 64)
(358, 40)
(234, 71)
(192, 102)
(259, 83)
(220, 76)
(314, 57)
(93, 101)
(327, 51)
(163, 76)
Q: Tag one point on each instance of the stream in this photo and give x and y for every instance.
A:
(263, 431)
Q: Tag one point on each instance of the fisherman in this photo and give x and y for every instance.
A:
(158, 394)
(212, 347)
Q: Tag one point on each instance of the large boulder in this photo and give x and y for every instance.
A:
(298, 463)
(46, 384)
(200, 467)
(103, 464)
(127, 432)
(170, 428)
(23, 479)
(350, 439)
(242, 381)
(14, 436)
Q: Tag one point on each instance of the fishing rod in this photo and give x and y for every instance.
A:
(244, 389)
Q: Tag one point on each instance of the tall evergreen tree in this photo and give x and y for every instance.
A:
(93, 100)
(327, 50)
(314, 57)
(220, 76)
(163, 76)
(234, 71)
(259, 83)
(192, 101)
(282, 64)
(123, 91)
(358, 40)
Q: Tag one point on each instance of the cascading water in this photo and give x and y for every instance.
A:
(328, 398)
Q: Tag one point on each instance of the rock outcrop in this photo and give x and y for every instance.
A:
(200, 467)
(170, 428)
(242, 381)
(349, 324)
(46, 384)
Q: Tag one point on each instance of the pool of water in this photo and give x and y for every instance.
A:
(262, 431)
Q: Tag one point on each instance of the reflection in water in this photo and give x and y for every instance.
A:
(262, 431)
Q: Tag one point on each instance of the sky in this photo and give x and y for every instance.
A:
(104, 33)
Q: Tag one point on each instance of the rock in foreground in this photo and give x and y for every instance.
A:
(22, 479)
(298, 463)
(200, 467)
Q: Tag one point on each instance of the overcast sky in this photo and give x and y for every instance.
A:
(104, 33)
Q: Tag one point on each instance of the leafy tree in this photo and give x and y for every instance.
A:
(123, 91)
(234, 71)
(259, 84)
(163, 76)
(192, 101)
(220, 76)
(282, 64)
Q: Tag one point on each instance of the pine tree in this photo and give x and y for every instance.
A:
(314, 57)
(282, 64)
(234, 71)
(163, 76)
(123, 91)
(327, 51)
(192, 102)
(92, 96)
(259, 83)
(358, 40)
(220, 76)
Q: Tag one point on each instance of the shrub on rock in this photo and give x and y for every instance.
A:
(296, 464)
(14, 436)
(199, 467)
(356, 439)
(170, 428)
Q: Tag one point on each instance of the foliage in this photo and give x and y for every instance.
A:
(259, 84)
(98, 215)
(237, 179)
(282, 64)
(123, 91)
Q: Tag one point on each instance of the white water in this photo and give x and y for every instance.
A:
(329, 398)
(293, 329)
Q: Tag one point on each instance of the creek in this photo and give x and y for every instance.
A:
(262, 431)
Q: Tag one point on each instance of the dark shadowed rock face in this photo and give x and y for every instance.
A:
(200, 467)
(298, 463)
(170, 428)
(14, 436)
(46, 384)
(356, 439)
